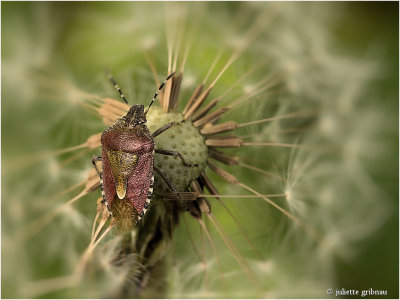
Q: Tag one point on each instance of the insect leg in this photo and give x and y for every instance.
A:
(166, 127)
(169, 183)
(175, 153)
(94, 159)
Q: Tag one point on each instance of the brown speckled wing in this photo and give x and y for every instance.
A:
(140, 180)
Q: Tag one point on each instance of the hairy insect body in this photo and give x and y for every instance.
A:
(127, 155)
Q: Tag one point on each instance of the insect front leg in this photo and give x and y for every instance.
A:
(176, 154)
(94, 159)
(166, 127)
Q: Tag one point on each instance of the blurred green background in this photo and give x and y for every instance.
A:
(341, 58)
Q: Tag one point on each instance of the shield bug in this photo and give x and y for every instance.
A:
(127, 174)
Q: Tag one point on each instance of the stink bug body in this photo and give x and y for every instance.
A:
(128, 150)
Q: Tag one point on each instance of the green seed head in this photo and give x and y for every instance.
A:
(185, 139)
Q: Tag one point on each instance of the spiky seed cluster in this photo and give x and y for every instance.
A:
(185, 139)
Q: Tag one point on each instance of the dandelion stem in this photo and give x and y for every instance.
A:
(94, 223)
(240, 228)
(212, 189)
(240, 196)
(152, 68)
(232, 179)
(197, 92)
(231, 59)
(289, 215)
(273, 145)
(241, 78)
(232, 247)
(203, 226)
(185, 55)
(74, 157)
(102, 236)
(55, 284)
(191, 238)
(217, 57)
(67, 190)
(42, 221)
(307, 228)
(299, 114)
(32, 159)
(250, 167)
(35, 289)
(196, 105)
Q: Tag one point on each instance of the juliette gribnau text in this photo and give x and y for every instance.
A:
(362, 293)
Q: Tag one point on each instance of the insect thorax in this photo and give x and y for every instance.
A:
(128, 138)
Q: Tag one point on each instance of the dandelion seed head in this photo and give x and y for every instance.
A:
(328, 124)
(293, 86)
(333, 244)
(248, 88)
(267, 267)
(74, 217)
(74, 96)
(149, 42)
(295, 202)
(327, 196)
(201, 267)
(351, 150)
(16, 210)
(292, 67)
(288, 195)
(189, 80)
(54, 169)
(238, 43)
(107, 253)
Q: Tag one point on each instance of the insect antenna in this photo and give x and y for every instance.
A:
(159, 88)
(116, 86)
